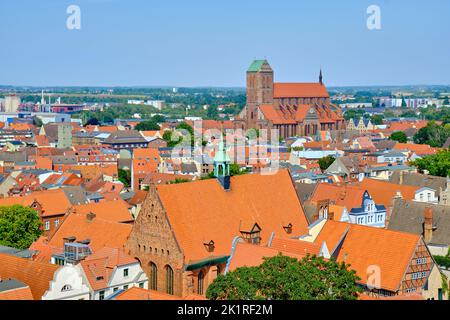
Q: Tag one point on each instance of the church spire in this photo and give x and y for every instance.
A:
(321, 77)
(222, 166)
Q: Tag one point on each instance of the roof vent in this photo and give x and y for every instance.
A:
(70, 239)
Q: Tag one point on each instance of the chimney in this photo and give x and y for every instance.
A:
(330, 215)
(428, 225)
(401, 177)
(90, 216)
(343, 193)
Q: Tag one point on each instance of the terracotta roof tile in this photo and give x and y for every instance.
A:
(115, 211)
(268, 200)
(54, 202)
(299, 90)
(17, 294)
(365, 246)
(37, 275)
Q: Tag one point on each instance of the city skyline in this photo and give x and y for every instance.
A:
(154, 44)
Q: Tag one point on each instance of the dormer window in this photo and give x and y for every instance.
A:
(288, 228)
(251, 234)
(209, 246)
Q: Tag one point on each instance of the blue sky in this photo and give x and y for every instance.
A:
(212, 42)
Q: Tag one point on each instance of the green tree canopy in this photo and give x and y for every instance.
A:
(93, 122)
(147, 125)
(399, 136)
(437, 164)
(212, 113)
(377, 119)
(325, 162)
(286, 278)
(19, 226)
(125, 177)
(433, 134)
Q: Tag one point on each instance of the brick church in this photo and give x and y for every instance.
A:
(295, 109)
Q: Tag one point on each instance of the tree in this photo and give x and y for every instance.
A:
(236, 170)
(376, 119)
(125, 177)
(446, 101)
(212, 113)
(399, 136)
(158, 118)
(389, 114)
(437, 164)
(37, 122)
(148, 125)
(286, 278)
(19, 226)
(325, 162)
(433, 134)
(167, 136)
(403, 103)
(93, 122)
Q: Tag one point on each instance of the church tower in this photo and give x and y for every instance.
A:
(222, 166)
(259, 89)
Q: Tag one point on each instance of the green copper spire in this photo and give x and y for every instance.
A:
(221, 161)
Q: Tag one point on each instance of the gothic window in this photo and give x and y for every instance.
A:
(153, 276)
(201, 280)
(169, 280)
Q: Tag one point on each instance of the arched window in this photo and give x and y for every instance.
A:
(201, 278)
(169, 280)
(153, 276)
(66, 288)
(219, 270)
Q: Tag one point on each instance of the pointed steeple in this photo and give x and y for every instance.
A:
(222, 166)
(321, 77)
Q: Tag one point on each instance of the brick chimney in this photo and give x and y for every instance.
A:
(342, 194)
(330, 215)
(90, 216)
(428, 225)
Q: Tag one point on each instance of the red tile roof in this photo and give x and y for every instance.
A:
(299, 90)
(53, 202)
(17, 294)
(99, 266)
(115, 211)
(364, 247)
(37, 275)
(268, 200)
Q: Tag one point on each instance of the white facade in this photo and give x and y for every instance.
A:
(427, 195)
(123, 278)
(68, 284)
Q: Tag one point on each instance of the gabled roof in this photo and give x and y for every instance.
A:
(299, 90)
(37, 275)
(383, 192)
(408, 216)
(116, 211)
(341, 195)
(102, 233)
(99, 266)
(362, 247)
(136, 293)
(205, 205)
(11, 289)
(53, 202)
(419, 180)
(256, 65)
